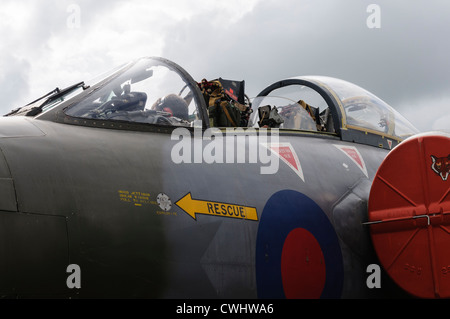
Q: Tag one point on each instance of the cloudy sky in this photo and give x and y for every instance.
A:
(399, 51)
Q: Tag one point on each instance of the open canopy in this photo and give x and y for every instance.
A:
(156, 91)
(334, 106)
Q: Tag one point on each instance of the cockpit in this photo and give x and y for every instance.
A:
(156, 91)
(150, 91)
(332, 106)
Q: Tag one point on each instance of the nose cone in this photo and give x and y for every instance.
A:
(12, 127)
(33, 244)
(8, 200)
(18, 126)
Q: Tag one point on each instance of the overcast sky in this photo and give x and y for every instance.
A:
(399, 51)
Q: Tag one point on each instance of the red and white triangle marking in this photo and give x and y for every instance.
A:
(389, 144)
(287, 154)
(353, 153)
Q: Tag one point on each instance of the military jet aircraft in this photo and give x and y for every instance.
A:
(144, 183)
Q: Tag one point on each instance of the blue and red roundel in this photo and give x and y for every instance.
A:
(297, 250)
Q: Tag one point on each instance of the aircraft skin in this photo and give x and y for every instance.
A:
(111, 200)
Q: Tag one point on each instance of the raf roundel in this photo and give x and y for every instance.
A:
(297, 251)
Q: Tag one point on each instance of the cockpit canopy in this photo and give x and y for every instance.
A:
(152, 91)
(157, 91)
(362, 110)
(318, 103)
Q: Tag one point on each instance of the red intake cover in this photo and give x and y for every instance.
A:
(409, 215)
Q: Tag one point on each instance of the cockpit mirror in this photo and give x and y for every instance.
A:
(357, 107)
(141, 76)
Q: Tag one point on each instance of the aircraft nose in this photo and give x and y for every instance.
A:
(12, 129)
(8, 201)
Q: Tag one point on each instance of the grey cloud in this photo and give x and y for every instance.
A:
(25, 50)
(402, 61)
(13, 80)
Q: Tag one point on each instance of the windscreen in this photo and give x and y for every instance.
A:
(149, 91)
(365, 111)
(281, 112)
(299, 107)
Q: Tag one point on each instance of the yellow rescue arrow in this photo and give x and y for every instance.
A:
(193, 207)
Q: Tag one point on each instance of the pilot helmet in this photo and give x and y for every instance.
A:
(174, 105)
